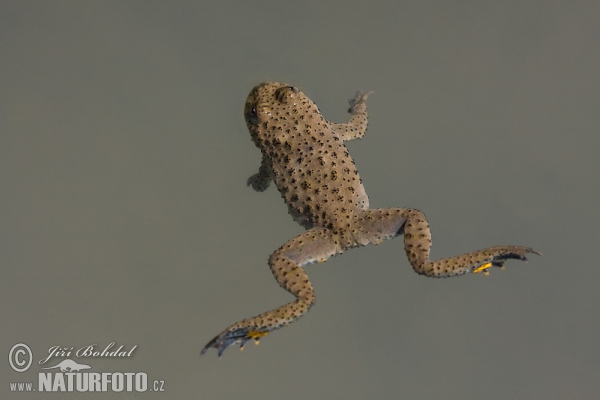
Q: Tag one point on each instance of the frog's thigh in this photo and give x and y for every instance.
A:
(314, 245)
(380, 224)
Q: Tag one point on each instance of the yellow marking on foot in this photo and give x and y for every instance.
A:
(483, 268)
(256, 335)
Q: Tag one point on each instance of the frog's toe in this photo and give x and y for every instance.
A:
(509, 253)
(360, 98)
(238, 336)
(258, 182)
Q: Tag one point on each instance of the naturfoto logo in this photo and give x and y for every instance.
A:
(64, 374)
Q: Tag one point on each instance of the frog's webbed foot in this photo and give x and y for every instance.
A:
(502, 254)
(259, 182)
(262, 179)
(231, 336)
(360, 98)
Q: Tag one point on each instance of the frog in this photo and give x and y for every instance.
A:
(305, 156)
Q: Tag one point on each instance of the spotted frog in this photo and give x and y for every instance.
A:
(305, 156)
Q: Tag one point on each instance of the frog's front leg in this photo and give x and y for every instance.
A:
(315, 245)
(356, 127)
(262, 179)
(380, 224)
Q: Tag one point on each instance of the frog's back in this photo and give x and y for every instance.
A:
(311, 165)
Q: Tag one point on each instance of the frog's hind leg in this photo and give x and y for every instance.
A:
(315, 245)
(380, 224)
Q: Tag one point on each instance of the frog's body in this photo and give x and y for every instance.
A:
(306, 157)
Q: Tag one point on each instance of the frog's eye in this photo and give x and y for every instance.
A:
(252, 115)
(287, 94)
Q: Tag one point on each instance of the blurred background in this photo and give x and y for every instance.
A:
(125, 215)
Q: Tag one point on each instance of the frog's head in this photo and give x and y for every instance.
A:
(274, 109)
